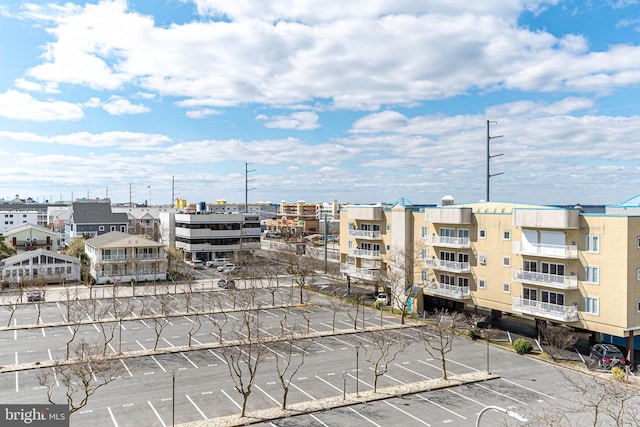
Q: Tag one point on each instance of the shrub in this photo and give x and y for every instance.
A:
(522, 346)
(474, 333)
(618, 373)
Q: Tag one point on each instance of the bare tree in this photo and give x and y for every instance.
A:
(162, 307)
(196, 324)
(244, 358)
(288, 363)
(438, 341)
(383, 349)
(301, 267)
(77, 312)
(220, 318)
(10, 303)
(401, 274)
(557, 340)
(337, 303)
(81, 378)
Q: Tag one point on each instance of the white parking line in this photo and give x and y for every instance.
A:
(413, 372)
(268, 395)
(302, 391)
(165, 340)
(406, 413)
(358, 413)
(318, 420)
(530, 389)
(232, 401)
(204, 417)
(328, 383)
(115, 423)
(156, 360)
(143, 347)
(43, 334)
(221, 358)
(462, 364)
(157, 415)
(125, 367)
(502, 394)
(188, 360)
(440, 406)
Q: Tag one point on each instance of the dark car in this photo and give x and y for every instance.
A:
(34, 296)
(607, 356)
(226, 284)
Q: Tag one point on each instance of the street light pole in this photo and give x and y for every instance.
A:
(344, 385)
(173, 399)
(499, 409)
(357, 369)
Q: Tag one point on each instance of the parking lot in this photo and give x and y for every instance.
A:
(340, 348)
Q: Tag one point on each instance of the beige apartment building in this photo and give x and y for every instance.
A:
(549, 264)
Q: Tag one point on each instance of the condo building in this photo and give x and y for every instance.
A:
(564, 265)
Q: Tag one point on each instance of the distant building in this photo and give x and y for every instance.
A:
(144, 220)
(40, 267)
(93, 218)
(117, 257)
(207, 236)
(28, 237)
(10, 218)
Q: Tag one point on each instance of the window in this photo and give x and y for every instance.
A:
(530, 294)
(506, 261)
(506, 235)
(101, 228)
(482, 283)
(592, 274)
(592, 305)
(113, 228)
(555, 298)
(506, 288)
(482, 259)
(483, 235)
(388, 248)
(638, 274)
(425, 232)
(592, 244)
(638, 306)
(388, 227)
(424, 275)
(638, 242)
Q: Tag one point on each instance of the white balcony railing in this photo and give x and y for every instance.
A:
(453, 266)
(449, 242)
(364, 234)
(448, 291)
(360, 273)
(546, 279)
(562, 313)
(543, 250)
(364, 253)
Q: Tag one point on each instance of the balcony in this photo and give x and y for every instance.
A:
(548, 251)
(360, 273)
(364, 253)
(129, 257)
(365, 234)
(447, 242)
(447, 291)
(546, 279)
(452, 266)
(561, 313)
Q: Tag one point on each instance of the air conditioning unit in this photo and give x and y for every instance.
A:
(482, 259)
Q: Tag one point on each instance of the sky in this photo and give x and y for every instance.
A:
(362, 101)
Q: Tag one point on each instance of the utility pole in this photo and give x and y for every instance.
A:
(489, 156)
(246, 186)
(173, 191)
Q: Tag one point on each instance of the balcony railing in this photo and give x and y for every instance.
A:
(449, 242)
(546, 279)
(129, 257)
(364, 234)
(453, 266)
(543, 250)
(562, 313)
(364, 253)
(360, 273)
(447, 291)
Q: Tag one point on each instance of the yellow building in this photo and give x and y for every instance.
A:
(551, 264)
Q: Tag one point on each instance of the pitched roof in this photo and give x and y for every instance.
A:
(26, 226)
(117, 239)
(16, 259)
(96, 213)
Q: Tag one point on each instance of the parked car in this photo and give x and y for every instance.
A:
(607, 356)
(196, 263)
(382, 299)
(227, 283)
(217, 262)
(228, 268)
(34, 296)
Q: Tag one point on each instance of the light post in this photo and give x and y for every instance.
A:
(357, 369)
(119, 336)
(488, 371)
(503, 410)
(344, 385)
(173, 399)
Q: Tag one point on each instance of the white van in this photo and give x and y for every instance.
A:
(196, 263)
(217, 262)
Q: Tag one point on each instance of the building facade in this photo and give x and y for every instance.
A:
(561, 265)
(40, 267)
(29, 237)
(118, 257)
(93, 218)
(207, 236)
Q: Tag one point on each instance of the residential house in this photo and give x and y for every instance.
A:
(93, 218)
(29, 237)
(117, 257)
(40, 267)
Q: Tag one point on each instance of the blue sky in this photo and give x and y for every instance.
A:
(360, 101)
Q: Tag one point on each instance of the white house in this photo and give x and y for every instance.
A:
(40, 267)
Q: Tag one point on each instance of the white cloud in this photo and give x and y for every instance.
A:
(203, 113)
(303, 57)
(303, 120)
(119, 106)
(22, 106)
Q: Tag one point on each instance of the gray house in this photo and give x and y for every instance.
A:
(93, 218)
